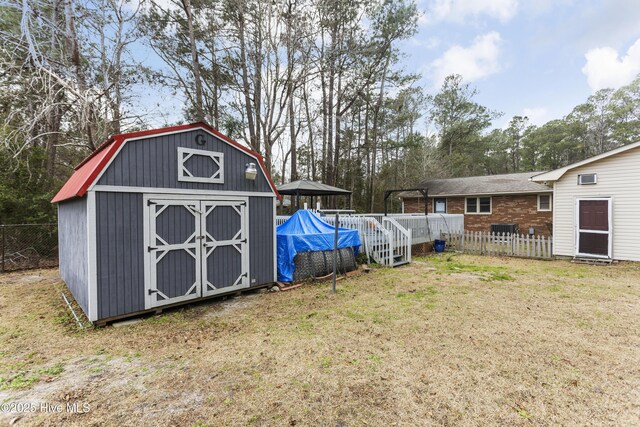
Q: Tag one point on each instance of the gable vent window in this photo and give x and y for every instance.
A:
(200, 166)
(587, 179)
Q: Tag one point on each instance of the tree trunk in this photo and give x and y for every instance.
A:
(330, 109)
(323, 85)
(195, 63)
(254, 140)
(88, 116)
(290, 89)
(312, 151)
(374, 148)
(117, 86)
(284, 167)
(55, 97)
(338, 140)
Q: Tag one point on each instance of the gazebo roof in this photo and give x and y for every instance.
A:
(310, 188)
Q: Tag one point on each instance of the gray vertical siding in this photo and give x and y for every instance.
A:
(120, 250)
(153, 162)
(261, 236)
(120, 256)
(73, 249)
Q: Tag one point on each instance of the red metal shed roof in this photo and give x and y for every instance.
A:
(89, 169)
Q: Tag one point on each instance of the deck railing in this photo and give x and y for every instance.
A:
(388, 240)
(377, 241)
(281, 219)
(400, 241)
(427, 228)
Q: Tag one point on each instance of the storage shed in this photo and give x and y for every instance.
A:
(163, 217)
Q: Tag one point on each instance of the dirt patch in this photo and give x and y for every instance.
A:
(445, 340)
(30, 276)
(229, 306)
(79, 378)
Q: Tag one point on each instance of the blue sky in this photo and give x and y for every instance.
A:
(527, 57)
(538, 58)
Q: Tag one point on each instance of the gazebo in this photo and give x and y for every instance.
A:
(311, 188)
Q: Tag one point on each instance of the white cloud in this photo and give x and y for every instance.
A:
(606, 69)
(540, 7)
(537, 115)
(608, 23)
(474, 62)
(428, 43)
(458, 10)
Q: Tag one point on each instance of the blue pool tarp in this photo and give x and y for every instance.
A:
(305, 231)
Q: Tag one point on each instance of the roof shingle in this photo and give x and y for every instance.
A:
(511, 183)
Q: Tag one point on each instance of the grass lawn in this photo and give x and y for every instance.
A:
(447, 340)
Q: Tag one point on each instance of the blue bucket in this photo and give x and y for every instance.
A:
(439, 245)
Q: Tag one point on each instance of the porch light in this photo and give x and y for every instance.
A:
(250, 171)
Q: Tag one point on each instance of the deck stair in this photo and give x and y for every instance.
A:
(384, 241)
(398, 258)
(387, 240)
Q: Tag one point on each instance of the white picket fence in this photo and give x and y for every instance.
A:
(501, 244)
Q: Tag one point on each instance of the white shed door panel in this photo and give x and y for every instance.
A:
(195, 248)
(225, 264)
(174, 252)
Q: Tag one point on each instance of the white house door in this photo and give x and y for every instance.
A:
(594, 228)
(194, 248)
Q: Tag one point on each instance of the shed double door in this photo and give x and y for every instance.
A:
(195, 248)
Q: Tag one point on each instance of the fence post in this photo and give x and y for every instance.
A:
(4, 243)
(511, 240)
(483, 244)
(483, 240)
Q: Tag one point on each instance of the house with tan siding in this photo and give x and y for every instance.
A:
(489, 203)
(596, 212)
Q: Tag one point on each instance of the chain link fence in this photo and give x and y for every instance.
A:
(25, 246)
